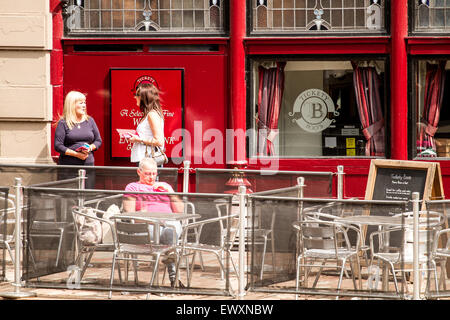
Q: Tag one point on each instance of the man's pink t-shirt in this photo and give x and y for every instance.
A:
(150, 202)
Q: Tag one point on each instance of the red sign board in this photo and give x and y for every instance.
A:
(125, 114)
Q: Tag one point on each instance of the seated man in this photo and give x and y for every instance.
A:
(147, 172)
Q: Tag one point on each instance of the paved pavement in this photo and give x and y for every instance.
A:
(209, 278)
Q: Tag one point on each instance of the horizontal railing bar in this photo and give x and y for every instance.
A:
(392, 202)
(51, 166)
(268, 172)
(214, 292)
(53, 183)
(81, 191)
(261, 193)
(330, 292)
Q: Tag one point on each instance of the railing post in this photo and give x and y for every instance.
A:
(340, 182)
(81, 186)
(301, 186)
(242, 220)
(416, 286)
(17, 246)
(186, 167)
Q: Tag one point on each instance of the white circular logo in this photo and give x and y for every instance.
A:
(313, 110)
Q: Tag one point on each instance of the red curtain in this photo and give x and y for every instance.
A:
(271, 86)
(367, 90)
(434, 93)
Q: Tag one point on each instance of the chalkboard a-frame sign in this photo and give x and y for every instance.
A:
(397, 180)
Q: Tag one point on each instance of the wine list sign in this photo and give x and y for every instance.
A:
(125, 114)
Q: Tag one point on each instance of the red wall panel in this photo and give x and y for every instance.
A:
(205, 99)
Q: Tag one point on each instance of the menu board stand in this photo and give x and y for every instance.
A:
(397, 180)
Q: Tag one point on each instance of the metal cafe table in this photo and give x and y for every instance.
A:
(156, 218)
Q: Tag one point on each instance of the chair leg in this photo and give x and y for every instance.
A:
(395, 278)
(188, 269)
(112, 276)
(202, 266)
(352, 269)
(263, 258)
(155, 269)
(436, 283)
(297, 276)
(86, 263)
(319, 273)
(222, 268)
(61, 236)
(340, 277)
(273, 253)
(192, 269)
(358, 270)
(442, 278)
(177, 266)
(10, 252)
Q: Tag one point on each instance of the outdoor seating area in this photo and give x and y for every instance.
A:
(282, 239)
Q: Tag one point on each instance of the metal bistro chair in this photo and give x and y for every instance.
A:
(134, 240)
(441, 254)
(254, 231)
(399, 257)
(325, 241)
(89, 249)
(7, 239)
(186, 247)
(44, 224)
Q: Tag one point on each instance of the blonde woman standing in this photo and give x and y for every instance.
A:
(77, 137)
(151, 126)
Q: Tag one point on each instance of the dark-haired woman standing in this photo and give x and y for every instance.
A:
(151, 127)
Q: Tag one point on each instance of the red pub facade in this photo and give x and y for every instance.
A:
(279, 84)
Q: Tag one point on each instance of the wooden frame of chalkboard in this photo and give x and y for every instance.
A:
(397, 180)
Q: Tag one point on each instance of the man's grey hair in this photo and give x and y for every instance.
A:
(147, 161)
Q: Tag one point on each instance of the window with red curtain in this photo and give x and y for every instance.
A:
(433, 119)
(306, 107)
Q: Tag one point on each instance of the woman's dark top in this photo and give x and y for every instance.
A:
(75, 138)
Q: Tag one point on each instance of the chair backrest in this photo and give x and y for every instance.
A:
(324, 235)
(9, 214)
(87, 225)
(442, 243)
(232, 228)
(132, 233)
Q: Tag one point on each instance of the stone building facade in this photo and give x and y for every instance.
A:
(25, 81)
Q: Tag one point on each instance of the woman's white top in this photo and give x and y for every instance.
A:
(145, 132)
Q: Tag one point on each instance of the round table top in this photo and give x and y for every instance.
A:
(372, 220)
(156, 215)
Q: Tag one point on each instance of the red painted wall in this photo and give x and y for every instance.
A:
(205, 87)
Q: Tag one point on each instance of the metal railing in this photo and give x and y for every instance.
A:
(243, 205)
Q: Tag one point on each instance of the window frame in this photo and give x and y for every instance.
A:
(250, 109)
(352, 33)
(148, 34)
(413, 63)
(412, 26)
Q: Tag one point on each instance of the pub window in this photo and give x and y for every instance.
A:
(311, 108)
(318, 16)
(432, 116)
(431, 16)
(144, 17)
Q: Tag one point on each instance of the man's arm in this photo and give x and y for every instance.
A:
(129, 204)
(176, 204)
